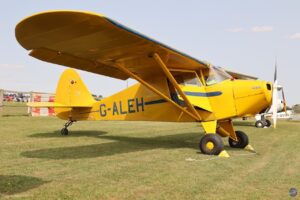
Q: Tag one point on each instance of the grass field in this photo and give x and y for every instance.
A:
(141, 160)
(14, 109)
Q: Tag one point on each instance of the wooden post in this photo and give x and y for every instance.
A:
(1, 102)
(29, 110)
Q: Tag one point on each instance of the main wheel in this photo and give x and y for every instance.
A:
(242, 142)
(211, 144)
(268, 123)
(64, 131)
(259, 124)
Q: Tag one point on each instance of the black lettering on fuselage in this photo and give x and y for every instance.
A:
(102, 110)
(139, 104)
(130, 106)
(115, 109)
(133, 105)
(121, 110)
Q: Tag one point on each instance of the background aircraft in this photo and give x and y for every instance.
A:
(282, 111)
(278, 108)
(172, 86)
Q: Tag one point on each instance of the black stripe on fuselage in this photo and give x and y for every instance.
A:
(155, 102)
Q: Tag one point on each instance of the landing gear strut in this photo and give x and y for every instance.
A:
(212, 144)
(65, 131)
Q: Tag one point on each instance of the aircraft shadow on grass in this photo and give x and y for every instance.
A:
(13, 184)
(116, 145)
(243, 123)
(57, 134)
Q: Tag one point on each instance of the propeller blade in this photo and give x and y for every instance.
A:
(275, 73)
(275, 97)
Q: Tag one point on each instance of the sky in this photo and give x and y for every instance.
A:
(243, 36)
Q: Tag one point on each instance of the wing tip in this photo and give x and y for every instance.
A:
(19, 26)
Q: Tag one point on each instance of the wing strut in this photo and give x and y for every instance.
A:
(126, 71)
(175, 84)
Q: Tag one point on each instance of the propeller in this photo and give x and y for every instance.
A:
(275, 104)
(275, 97)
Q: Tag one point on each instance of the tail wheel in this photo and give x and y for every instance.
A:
(64, 131)
(211, 144)
(259, 124)
(242, 142)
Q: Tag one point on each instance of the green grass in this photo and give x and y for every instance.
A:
(14, 109)
(142, 160)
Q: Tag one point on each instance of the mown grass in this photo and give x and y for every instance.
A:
(14, 109)
(141, 160)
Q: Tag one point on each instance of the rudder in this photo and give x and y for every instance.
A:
(71, 91)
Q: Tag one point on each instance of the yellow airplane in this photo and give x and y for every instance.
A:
(172, 86)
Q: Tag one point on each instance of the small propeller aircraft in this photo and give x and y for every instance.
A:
(172, 86)
(277, 110)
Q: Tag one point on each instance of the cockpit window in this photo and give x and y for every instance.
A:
(187, 79)
(216, 75)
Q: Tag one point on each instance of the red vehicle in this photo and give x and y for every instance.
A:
(8, 97)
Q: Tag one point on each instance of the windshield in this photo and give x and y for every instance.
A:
(187, 79)
(216, 75)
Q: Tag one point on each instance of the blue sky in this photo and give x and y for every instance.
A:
(243, 36)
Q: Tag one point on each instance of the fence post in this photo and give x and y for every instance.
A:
(29, 110)
(1, 102)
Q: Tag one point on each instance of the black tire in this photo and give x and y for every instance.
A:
(242, 142)
(215, 141)
(64, 131)
(268, 123)
(259, 124)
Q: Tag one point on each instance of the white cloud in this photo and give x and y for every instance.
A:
(296, 36)
(10, 66)
(235, 30)
(260, 29)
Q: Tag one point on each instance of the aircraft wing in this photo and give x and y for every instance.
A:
(97, 44)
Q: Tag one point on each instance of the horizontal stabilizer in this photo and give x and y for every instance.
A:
(54, 105)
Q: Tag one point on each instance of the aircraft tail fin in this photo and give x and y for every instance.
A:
(72, 92)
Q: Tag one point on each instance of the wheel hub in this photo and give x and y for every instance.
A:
(210, 145)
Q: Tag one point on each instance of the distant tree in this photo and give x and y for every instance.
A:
(100, 97)
(97, 98)
(296, 108)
